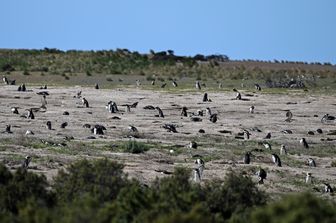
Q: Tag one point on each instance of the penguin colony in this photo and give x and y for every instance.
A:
(206, 112)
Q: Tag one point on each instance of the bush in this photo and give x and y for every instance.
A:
(296, 208)
(17, 189)
(133, 146)
(101, 179)
(235, 195)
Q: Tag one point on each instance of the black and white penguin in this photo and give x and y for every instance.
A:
(276, 160)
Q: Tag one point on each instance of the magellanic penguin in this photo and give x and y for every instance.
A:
(246, 134)
(184, 111)
(48, 125)
(262, 175)
(170, 128)
(85, 102)
(238, 96)
(193, 145)
(268, 136)
(213, 118)
(96, 86)
(30, 114)
(304, 143)
(251, 110)
(63, 125)
(328, 188)
(283, 150)
(15, 110)
(174, 83)
(160, 112)
(197, 175)
(25, 162)
(289, 116)
(247, 158)
(8, 129)
(311, 162)
(257, 86)
(132, 128)
(197, 85)
(309, 178)
(205, 98)
(276, 160)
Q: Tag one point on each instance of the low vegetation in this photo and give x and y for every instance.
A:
(99, 191)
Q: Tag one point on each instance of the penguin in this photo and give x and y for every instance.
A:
(267, 145)
(48, 125)
(160, 112)
(193, 145)
(251, 109)
(200, 165)
(44, 102)
(289, 116)
(205, 97)
(247, 158)
(197, 85)
(257, 87)
(170, 128)
(276, 160)
(96, 86)
(213, 118)
(5, 80)
(25, 162)
(238, 96)
(268, 136)
(163, 85)
(15, 110)
(29, 132)
(85, 102)
(174, 83)
(246, 134)
(128, 108)
(328, 188)
(200, 112)
(138, 82)
(283, 150)
(184, 111)
(132, 128)
(262, 175)
(134, 105)
(304, 143)
(208, 111)
(63, 125)
(197, 175)
(153, 82)
(311, 162)
(309, 178)
(8, 129)
(30, 114)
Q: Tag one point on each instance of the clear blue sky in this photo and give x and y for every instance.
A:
(298, 30)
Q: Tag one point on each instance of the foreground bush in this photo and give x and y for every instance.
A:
(101, 179)
(296, 208)
(99, 191)
(18, 188)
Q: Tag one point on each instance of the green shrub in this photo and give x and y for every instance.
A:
(101, 179)
(296, 208)
(133, 146)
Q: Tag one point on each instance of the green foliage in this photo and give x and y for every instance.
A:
(101, 179)
(234, 195)
(133, 146)
(296, 208)
(17, 189)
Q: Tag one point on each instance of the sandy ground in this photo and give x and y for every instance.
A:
(233, 115)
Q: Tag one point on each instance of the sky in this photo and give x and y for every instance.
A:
(294, 30)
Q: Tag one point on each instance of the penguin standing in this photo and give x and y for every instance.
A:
(311, 162)
(262, 175)
(198, 86)
(247, 158)
(85, 102)
(160, 112)
(283, 150)
(26, 162)
(276, 160)
(184, 111)
(304, 143)
(309, 178)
